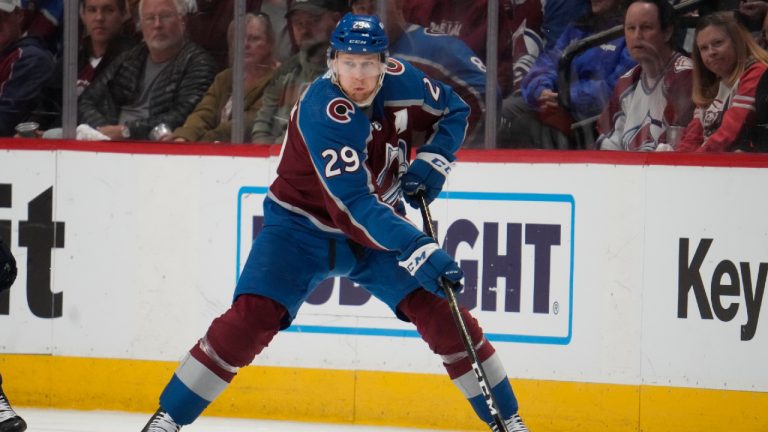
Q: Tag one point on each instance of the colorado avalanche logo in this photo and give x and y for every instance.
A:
(713, 117)
(340, 110)
(434, 32)
(394, 67)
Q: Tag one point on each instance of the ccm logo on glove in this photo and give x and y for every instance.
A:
(428, 263)
(426, 174)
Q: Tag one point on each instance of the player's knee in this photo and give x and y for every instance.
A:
(243, 331)
(433, 319)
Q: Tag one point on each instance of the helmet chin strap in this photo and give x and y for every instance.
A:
(367, 102)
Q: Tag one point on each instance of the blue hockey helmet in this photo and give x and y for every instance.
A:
(359, 34)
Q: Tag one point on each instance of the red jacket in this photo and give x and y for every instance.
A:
(720, 125)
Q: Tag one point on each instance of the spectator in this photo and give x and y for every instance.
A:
(9, 420)
(753, 12)
(441, 56)
(526, 28)
(211, 120)
(103, 40)
(103, 22)
(535, 118)
(727, 66)
(43, 18)
(209, 25)
(312, 22)
(532, 27)
(651, 102)
(25, 65)
(159, 81)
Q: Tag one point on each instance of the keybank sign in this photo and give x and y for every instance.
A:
(516, 251)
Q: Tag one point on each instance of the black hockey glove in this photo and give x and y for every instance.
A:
(7, 267)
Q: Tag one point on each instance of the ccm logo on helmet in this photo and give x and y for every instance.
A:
(394, 67)
(340, 110)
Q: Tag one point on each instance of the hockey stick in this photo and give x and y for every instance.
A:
(461, 326)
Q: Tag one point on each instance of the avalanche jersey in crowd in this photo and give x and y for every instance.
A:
(640, 111)
(340, 164)
(526, 28)
(719, 126)
(447, 59)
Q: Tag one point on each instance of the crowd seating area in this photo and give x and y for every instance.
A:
(560, 74)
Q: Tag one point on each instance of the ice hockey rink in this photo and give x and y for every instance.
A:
(46, 420)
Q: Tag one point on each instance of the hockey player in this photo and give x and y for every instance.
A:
(337, 204)
(9, 420)
(441, 56)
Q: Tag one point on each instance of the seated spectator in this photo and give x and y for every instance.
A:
(651, 102)
(535, 118)
(441, 56)
(103, 22)
(208, 26)
(727, 67)
(159, 81)
(44, 19)
(753, 12)
(212, 118)
(25, 65)
(526, 28)
(103, 40)
(312, 22)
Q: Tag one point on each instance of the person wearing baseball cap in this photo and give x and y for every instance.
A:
(311, 23)
(316, 7)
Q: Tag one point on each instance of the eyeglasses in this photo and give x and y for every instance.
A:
(164, 18)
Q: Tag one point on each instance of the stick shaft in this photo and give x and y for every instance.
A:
(461, 326)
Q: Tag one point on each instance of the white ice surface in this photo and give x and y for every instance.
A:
(48, 420)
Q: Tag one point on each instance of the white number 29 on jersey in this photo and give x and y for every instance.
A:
(344, 160)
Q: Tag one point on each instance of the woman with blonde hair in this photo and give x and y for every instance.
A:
(211, 121)
(727, 66)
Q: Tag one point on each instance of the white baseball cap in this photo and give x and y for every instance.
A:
(9, 5)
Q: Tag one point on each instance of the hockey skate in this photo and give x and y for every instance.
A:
(9, 420)
(161, 421)
(514, 424)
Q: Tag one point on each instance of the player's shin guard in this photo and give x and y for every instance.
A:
(434, 322)
(232, 341)
(500, 387)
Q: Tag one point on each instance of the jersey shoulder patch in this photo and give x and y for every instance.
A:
(395, 66)
(327, 118)
(340, 110)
